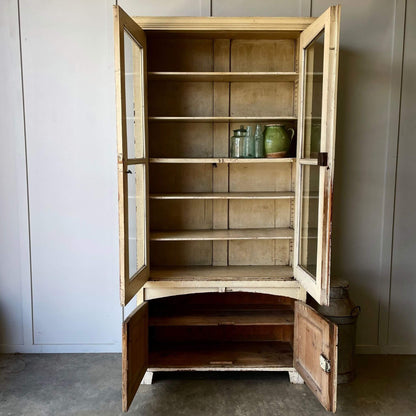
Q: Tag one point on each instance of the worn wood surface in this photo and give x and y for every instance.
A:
(240, 354)
(134, 352)
(212, 235)
(221, 273)
(222, 160)
(315, 335)
(223, 76)
(207, 119)
(260, 26)
(226, 195)
(215, 318)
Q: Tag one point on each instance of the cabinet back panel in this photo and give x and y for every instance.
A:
(181, 253)
(258, 252)
(259, 214)
(181, 140)
(264, 55)
(189, 99)
(222, 333)
(165, 54)
(180, 214)
(260, 178)
(263, 99)
(165, 178)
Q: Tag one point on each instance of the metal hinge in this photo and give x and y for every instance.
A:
(322, 159)
(325, 363)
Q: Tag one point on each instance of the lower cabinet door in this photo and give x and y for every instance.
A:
(315, 353)
(135, 352)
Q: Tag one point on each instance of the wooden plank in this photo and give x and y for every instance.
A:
(315, 338)
(180, 99)
(220, 160)
(261, 100)
(238, 119)
(215, 318)
(184, 140)
(222, 333)
(181, 253)
(186, 214)
(213, 235)
(173, 54)
(223, 76)
(259, 252)
(240, 354)
(220, 148)
(262, 55)
(225, 195)
(222, 25)
(213, 273)
(134, 352)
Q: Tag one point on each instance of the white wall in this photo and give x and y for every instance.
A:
(58, 190)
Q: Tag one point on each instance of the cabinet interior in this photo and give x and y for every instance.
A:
(205, 208)
(221, 329)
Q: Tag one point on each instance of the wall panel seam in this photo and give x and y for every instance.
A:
(391, 162)
(27, 320)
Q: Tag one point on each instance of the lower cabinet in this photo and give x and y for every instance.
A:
(235, 331)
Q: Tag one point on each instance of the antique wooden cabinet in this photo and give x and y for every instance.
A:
(220, 251)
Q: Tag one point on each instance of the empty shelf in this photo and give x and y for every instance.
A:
(225, 354)
(223, 76)
(235, 119)
(226, 195)
(219, 160)
(215, 318)
(215, 235)
(214, 273)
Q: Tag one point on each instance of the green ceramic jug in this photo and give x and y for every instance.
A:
(277, 140)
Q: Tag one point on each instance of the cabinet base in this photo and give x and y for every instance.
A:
(294, 376)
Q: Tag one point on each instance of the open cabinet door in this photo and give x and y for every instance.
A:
(315, 353)
(135, 352)
(318, 69)
(132, 148)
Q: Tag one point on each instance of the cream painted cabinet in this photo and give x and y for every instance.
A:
(221, 251)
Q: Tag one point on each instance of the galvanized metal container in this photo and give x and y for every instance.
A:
(344, 313)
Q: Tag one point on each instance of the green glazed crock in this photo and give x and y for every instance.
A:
(277, 140)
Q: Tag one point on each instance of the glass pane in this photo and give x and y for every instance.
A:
(136, 187)
(133, 69)
(314, 63)
(308, 244)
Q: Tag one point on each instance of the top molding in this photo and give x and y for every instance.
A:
(226, 24)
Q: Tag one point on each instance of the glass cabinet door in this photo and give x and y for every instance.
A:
(130, 68)
(318, 68)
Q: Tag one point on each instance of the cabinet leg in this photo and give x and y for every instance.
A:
(148, 377)
(295, 377)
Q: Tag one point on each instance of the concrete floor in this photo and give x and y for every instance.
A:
(89, 384)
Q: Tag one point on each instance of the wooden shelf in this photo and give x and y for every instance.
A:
(223, 354)
(226, 195)
(215, 318)
(220, 235)
(223, 76)
(220, 160)
(235, 119)
(221, 273)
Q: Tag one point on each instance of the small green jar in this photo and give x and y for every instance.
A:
(277, 140)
